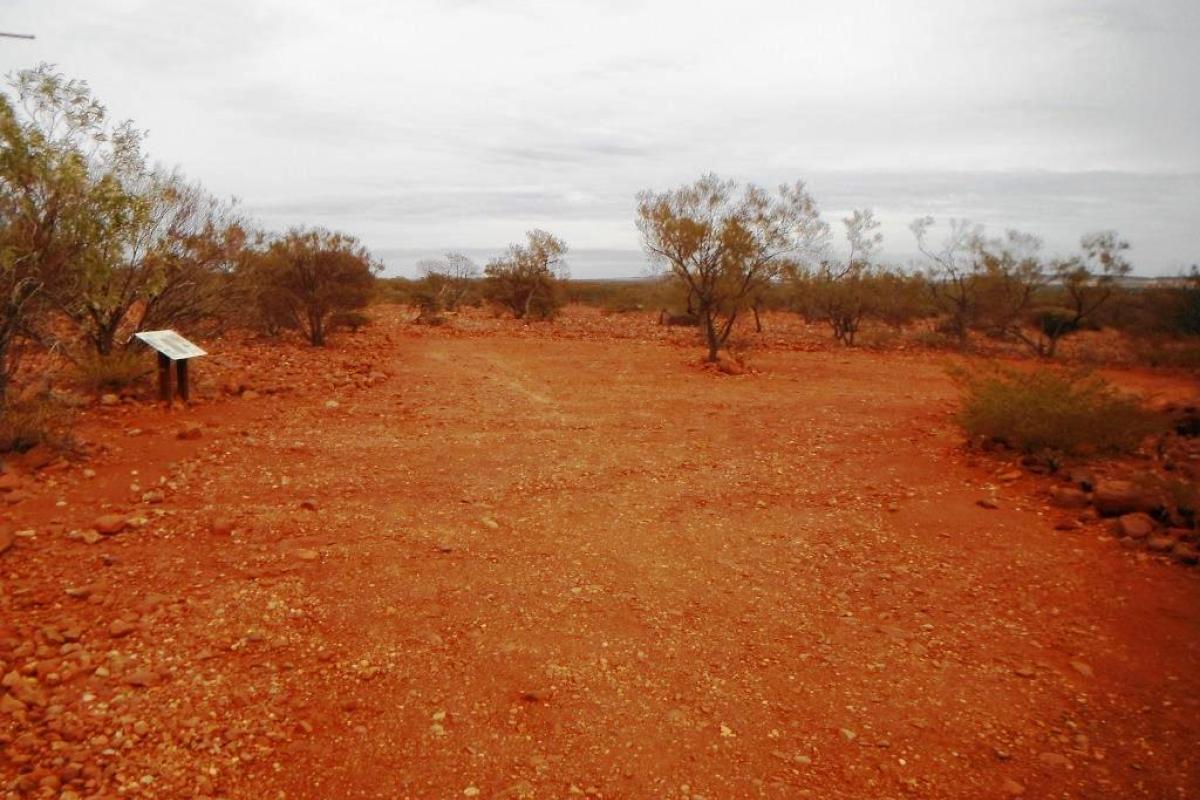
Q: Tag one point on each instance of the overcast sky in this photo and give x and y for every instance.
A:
(421, 126)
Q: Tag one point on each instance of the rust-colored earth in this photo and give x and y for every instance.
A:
(491, 561)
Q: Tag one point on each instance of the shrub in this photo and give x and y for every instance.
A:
(1050, 410)
(349, 320)
(113, 371)
(528, 280)
(39, 420)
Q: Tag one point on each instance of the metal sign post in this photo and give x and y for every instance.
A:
(171, 347)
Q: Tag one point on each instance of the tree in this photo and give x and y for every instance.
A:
(725, 243)
(57, 151)
(841, 292)
(307, 275)
(1087, 283)
(990, 284)
(160, 265)
(446, 282)
(527, 280)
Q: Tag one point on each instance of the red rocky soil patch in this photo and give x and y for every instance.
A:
(497, 561)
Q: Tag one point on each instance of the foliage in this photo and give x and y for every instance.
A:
(724, 243)
(349, 320)
(445, 283)
(305, 276)
(31, 421)
(528, 279)
(103, 372)
(1051, 410)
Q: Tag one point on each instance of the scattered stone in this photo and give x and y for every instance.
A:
(120, 628)
(109, 400)
(308, 504)
(9, 481)
(1114, 498)
(250, 394)
(10, 704)
(6, 539)
(221, 526)
(154, 497)
(1012, 788)
(848, 734)
(1185, 553)
(91, 537)
(307, 555)
(141, 678)
(1160, 544)
(1025, 671)
(989, 503)
(190, 431)
(332, 404)
(490, 523)
(1067, 497)
(110, 524)
(1083, 669)
(1010, 476)
(1137, 525)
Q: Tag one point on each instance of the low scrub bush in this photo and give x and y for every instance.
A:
(112, 372)
(349, 320)
(1052, 410)
(29, 422)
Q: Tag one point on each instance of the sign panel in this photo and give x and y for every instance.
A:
(170, 344)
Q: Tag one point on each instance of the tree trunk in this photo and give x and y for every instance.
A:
(710, 335)
(757, 321)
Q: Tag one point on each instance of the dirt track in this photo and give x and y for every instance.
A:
(547, 567)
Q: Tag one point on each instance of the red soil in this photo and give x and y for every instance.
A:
(519, 563)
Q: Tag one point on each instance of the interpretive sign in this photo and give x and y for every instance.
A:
(171, 347)
(170, 344)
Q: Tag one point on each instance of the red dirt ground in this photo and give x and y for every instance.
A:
(513, 563)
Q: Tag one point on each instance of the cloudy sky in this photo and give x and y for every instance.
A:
(427, 125)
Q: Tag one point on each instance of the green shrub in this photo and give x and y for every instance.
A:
(1052, 410)
(114, 371)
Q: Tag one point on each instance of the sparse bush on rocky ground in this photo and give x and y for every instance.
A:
(1052, 411)
(351, 321)
(113, 371)
(528, 280)
(29, 421)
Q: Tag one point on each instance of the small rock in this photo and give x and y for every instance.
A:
(1184, 553)
(1160, 544)
(91, 537)
(308, 504)
(490, 523)
(1067, 497)
(190, 432)
(6, 539)
(110, 524)
(1083, 669)
(1066, 524)
(307, 555)
(1114, 498)
(990, 503)
(1010, 476)
(153, 497)
(848, 734)
(1012, 788)
(9, 481)
(121, 628)
(221, 526)
(1137, 525)
(332, 404)
(141, 678)
(1025, 671)
(109, 400)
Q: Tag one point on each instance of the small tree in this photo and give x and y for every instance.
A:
(306, 276)
(54, 197)
(952, 271)
(527, 280)
(725, 243)
(446, 282)
(841, 292)
(1087, 283)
